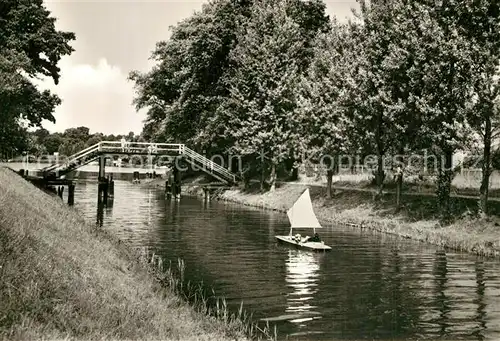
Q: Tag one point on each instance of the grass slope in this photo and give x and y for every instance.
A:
(62, 279)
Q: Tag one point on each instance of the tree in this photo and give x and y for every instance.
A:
(320, 94)
(52, 143)
(184, 89)
(262, 114)
(443, 88)
(369, 92)
(189, 85)
(30, 46)
(482, 26)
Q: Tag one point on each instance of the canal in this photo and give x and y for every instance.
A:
(369, 287)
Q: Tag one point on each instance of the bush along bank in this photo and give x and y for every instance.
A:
(356, 209)
(61, 278)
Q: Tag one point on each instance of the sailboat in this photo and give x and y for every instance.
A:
(301, 215)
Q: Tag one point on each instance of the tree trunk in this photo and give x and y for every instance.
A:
(295, 174)
(486, 168)
(246, 179)
(329, 176)
(380, 162)
(273, 177)
(444, 186)
(399, 179)
(262, 178)
(399, 189)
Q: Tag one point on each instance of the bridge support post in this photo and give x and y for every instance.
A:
(71, 194)
(176, 186)
(102, 166)
(168, 189)
(111, 186)
(102, 190)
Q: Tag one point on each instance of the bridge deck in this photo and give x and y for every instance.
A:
(140, 148)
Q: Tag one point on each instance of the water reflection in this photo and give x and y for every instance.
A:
(302, 272)
(368, 287)
(479, 301)
(104, 206)
(100, 213)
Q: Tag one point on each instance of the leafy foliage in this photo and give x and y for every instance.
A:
(278, 77)
(30, 46)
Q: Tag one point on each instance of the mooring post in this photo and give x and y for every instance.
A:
(71, 194)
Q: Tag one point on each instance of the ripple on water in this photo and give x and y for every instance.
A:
(368, 287)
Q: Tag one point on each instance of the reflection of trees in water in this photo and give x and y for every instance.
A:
(376, 296)
(442, 302)
(479, 300)
(222, 244)
(459, 298)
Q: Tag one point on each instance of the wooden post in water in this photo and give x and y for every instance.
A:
(111, 186)
(102, 190)
(136, 177)
(102, 166)
(105, 190)
(176, 183)
(71, 194)
(168, 189)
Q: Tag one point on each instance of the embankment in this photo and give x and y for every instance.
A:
(61, 278)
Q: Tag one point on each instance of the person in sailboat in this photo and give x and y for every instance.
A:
(314, 238)
(297, 238)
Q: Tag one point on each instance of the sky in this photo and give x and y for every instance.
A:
(114, 37)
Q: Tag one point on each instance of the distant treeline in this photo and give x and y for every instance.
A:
(41, 142)
(280, 78)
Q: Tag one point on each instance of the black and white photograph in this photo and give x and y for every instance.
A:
(271, 170)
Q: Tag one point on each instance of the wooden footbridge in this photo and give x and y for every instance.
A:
(105, 149)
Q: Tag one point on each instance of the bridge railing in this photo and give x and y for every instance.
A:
(82, 156)
(74, 157)
(140, 147)
(209, 164)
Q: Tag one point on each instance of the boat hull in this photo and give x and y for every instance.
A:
(315, 246)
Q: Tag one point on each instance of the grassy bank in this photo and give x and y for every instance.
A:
(416, 220)
(61, 278)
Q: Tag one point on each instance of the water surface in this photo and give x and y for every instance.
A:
(370, 286)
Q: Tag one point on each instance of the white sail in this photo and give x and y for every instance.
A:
(301, 214)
